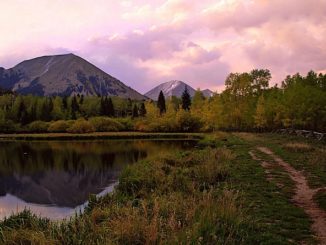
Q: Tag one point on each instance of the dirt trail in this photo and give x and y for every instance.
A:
(303, 194)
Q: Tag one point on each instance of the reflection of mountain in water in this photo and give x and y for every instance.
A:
(65, 173)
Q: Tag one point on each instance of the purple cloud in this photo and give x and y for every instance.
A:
(145, 43)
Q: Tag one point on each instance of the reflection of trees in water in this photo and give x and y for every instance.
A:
(77, 157)
(65, 173)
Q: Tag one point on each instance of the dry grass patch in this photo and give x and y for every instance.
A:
(23, 236)
(247, 136)
(298, 147)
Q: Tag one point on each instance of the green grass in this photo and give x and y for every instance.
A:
(312, 160)
(215, 194)
(278, 220)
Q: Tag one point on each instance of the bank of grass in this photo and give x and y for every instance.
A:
(99, 135)
(173, 199)
(213, 195)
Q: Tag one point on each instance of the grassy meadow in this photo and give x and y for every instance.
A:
(214, 194)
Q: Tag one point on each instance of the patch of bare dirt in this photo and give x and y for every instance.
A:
(303, 193)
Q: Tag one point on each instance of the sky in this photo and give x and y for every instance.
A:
(145, 43)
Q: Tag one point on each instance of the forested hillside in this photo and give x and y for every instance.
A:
(247, 103)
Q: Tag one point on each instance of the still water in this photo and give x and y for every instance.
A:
(55, 178)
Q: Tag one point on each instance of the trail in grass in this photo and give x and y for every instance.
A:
(303, 193)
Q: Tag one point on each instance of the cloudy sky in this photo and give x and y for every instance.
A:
(144, 43)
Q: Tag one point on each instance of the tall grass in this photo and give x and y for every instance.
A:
(173, 199)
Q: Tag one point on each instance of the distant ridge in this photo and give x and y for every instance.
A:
(66, 74)
(207, 93)
(174, 88)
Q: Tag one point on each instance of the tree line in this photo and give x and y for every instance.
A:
(247, 103)
(26, 109)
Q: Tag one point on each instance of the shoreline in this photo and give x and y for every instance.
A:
(100, 135)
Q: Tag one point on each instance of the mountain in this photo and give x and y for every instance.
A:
(63, 75)
(174, 88)
(207, 93)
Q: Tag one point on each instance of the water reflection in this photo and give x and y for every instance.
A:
(55, 178)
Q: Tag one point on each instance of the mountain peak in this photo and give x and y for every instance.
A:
(64, 74)
(207, 92)
(174, 88)
(171, 88)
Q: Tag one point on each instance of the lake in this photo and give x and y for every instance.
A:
(55, 178)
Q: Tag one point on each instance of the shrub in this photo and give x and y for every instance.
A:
(8, 126)
(38, 127)
(187, 122)
(141, 125)
(127, 123)
(160, 124)
(81, 126)
(59, 126)
(105, 124)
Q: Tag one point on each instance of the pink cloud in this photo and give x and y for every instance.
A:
(144, 43)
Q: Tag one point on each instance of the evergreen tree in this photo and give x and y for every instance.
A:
(21, 109)
(135, 111)
(33, 114)
(129, 107)
(161, 103)
(74, 107)
(25, 118)
(110, 108)
(65, 103)
(186, 99)
(142, 110)
(50, 105)
(107, 108)
(81, 100)
(46, 110)
(102, 107)
(22, 113)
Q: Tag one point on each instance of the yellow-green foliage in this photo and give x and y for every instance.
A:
(247, 103)
(105, 124)
(260, 116)
(81, 126)
(172, 121)
(127, 123)
(59, 126)
(38, 126)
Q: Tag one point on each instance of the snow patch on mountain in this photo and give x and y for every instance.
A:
(174, 88)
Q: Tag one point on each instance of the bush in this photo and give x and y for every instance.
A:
(182, 121)
(60, 126)
(8, 127)
(105, 124)
(81, 126)
(187, 122)
(38, 127)
(127, 123)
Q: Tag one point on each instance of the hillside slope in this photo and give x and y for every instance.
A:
(63, 75)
